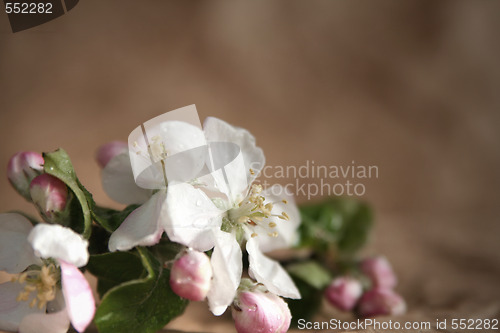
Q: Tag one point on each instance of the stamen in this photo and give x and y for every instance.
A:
(272, 225)
(252, 172)
(254, 235)
(42, 281)
(284, 216)
(273, 234)
(284, 201)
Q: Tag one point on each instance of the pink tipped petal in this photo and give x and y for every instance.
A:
(80, 303)
(12, 312)
(191, 275)
(258, 312)
(55, 241)
(15, 252)
(192, 217)
(57, 322)
(380, 272)
(269, 272)
(142, 227)
(381, 302)
(109, 150)
(119, 184)
(344, 292)
(226, 268)
(49, 194)
(217, 130)
(22, 168)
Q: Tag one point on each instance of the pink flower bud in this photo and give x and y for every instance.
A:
(109, 150)
(50, 195)
(260, 312)
(378, 302)
(344, 293)
(22, 168)
(191, 275)
(380, 272)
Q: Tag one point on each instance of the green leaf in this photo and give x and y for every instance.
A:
(143, 305)
(111, 219)
(338, 224)
(115, 268)
(58, 164)
(310, 272)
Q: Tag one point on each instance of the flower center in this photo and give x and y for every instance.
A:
(41, 280)
(253, 212)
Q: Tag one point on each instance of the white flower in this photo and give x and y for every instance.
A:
(42, 256)
(260, 220)
(144, 226)
(238, 214)
(186, 145)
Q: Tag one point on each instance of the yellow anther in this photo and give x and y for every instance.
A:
(254, 235)
(272, 225)
(284, 216)
(273, 234)
(284, 201)
(252, 172)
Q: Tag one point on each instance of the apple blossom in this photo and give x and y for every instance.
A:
(379, 301)
(344, 292)
(22, 168)
(190, 275)
(50, 195)
(260, 311)
(109, 150)
(49, 292)
(380, 272)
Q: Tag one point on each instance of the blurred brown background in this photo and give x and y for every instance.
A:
(412, 87)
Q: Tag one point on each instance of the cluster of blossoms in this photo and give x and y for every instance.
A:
(211, 214)
(47, 291)
(347, 293)
(195, 191)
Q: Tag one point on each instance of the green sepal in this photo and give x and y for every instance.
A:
(143, 305)
(58, 164)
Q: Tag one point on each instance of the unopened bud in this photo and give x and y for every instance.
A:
(22, 168)
(191, 275)
(380, 272)
(258, 311)
(109, 150)
(344, 292)
(50, 195)
(380, 302)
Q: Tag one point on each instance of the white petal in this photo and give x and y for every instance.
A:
(229, 171)
(192, 217)
(227, 269)
(15, 252)
(57, 322)
(162, 138)
(11, 311)
(118, 182)
(269, 272)
(142, 227)
(253, 156)
(58, 242)
(286, 229)
(78, 297)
